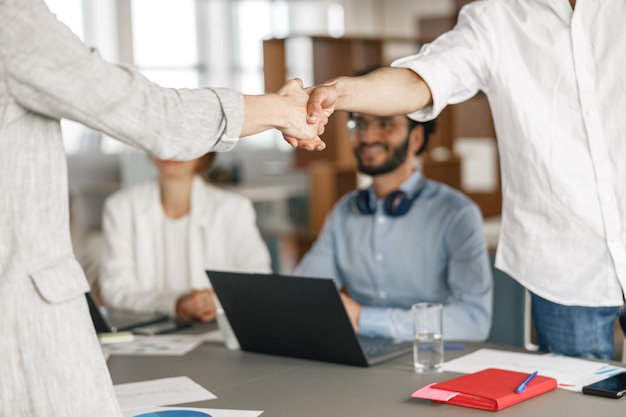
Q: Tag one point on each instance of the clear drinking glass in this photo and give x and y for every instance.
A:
(428, 339)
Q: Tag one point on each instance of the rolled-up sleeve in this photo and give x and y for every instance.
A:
(454, 66)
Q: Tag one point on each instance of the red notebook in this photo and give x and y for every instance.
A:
(490, 389)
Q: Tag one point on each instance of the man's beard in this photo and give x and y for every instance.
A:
(397, 158)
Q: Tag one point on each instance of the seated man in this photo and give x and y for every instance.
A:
(404, 240)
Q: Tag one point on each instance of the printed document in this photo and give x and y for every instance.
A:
(570, 373)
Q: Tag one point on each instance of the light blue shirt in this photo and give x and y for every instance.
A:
(436, 252)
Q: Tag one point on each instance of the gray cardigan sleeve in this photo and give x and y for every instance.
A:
(49, 71)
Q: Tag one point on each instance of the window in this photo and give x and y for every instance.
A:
(254, 20)
(165, 42)
(70, 12)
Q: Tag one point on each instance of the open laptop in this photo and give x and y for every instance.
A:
(296, 316)
(113, 320)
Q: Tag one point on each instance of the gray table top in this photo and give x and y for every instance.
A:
(283, 386)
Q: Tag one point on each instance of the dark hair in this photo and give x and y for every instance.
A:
(205, 163)
(429, 126)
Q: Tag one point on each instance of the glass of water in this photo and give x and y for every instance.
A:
(428, 339)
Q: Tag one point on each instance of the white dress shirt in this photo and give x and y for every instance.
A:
(177, 274)
(556, 85)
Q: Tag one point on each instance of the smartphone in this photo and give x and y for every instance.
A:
(162, 328)
(612, 387)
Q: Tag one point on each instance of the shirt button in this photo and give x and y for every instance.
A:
(382, 220)
(379, 257)
(383, 294)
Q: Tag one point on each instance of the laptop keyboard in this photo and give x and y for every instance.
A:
(373, 347)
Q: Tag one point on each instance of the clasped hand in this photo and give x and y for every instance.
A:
(197, 305)
(314, 108)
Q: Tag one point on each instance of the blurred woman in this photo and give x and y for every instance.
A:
(160, 237)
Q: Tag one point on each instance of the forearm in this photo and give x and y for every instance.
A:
(262, 112)
(286, 111)
(384, 92)
(386, 322)
(462, 321)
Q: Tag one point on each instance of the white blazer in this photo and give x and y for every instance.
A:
(222, 235)
(52, 363)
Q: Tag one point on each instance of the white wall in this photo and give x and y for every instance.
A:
(391, 17)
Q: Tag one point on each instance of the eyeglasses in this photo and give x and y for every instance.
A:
(382, 125)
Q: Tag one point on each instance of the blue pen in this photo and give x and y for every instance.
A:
(453, 346)
(522, 386)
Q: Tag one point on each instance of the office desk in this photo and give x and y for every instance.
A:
(285, 387)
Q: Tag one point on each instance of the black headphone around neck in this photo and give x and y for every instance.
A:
(396, 204)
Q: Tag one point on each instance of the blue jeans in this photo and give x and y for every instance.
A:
(575, 330)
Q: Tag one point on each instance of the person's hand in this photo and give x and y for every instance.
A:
(198, 305)
(300, 131)
(353, 309)
(322, 101)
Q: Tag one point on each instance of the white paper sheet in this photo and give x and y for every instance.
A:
(163, 344)
(158, 392)
(570, 373)
(167, 344)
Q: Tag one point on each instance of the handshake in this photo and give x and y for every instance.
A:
(302, 113)
(299, 113)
